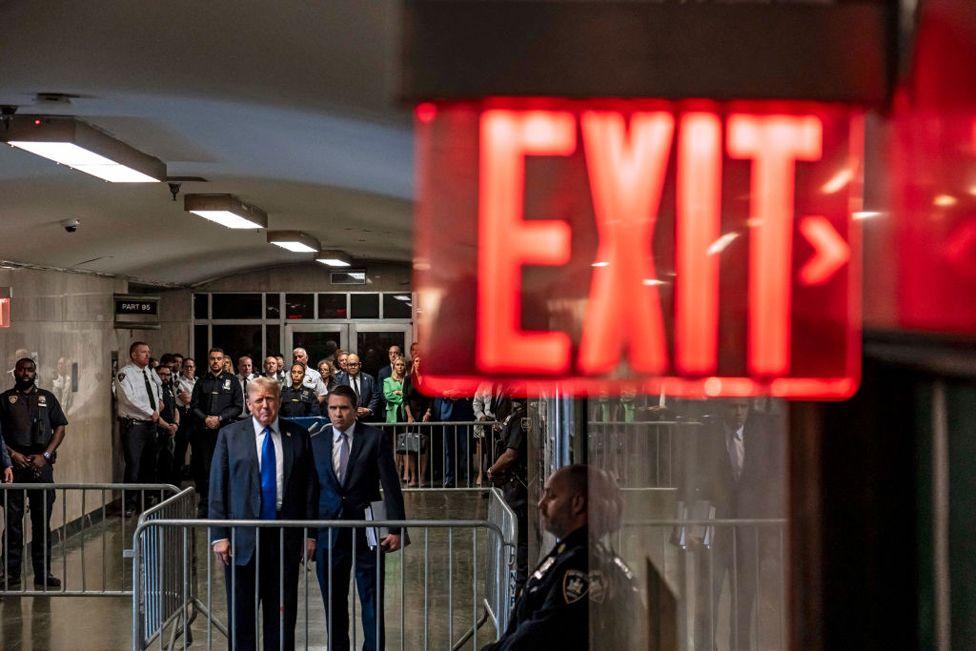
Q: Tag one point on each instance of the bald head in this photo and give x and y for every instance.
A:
(353, 364)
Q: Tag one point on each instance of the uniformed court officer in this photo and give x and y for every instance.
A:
(217, 401)
(33, 425)
(139, 396)
(510, 473)
(552, 611)
(297, 399)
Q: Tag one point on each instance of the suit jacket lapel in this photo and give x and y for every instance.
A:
(329, 434)
(358, 441)
(287, 446)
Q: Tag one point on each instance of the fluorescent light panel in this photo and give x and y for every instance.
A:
(226, 210)
(294, 241)
(81, 146)
(334, 259)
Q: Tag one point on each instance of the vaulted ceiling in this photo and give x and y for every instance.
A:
(290, 105)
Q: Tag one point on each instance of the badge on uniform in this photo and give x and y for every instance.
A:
(575, 585)
(226, 384)
(12, 398)
(543, 568)
(598, 587)
(41, 401)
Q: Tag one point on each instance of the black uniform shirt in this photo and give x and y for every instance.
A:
(217, 395)
(514, 431)
(553, 611)
(298, 402)
(28, 420)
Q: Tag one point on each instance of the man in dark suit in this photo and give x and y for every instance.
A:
(364, 388)
(262, 470)
(740, 465)
(352, 461)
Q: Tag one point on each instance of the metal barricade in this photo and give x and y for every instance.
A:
(437, 592)
(88, 536)
(638, 453)
(727, 577)
(452, 454)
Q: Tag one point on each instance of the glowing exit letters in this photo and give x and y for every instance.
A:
(693, 249)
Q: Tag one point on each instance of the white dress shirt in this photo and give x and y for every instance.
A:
(735, 442)
(337, 446)
(279, 455)
(131, 394)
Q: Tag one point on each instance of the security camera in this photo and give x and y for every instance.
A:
(71, 225)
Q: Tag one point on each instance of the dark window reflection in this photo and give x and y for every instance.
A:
(272, 308)
(396, 306)
(236, 306)
(299, 306)
(272, 340)
(365, 306)
(201, 344)
(333, 306)
(237, 340)
(200, 306)
(373, 349)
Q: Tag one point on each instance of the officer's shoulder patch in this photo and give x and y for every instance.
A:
(12, 398)
(121, 376)
(598, 587)
(575, 585)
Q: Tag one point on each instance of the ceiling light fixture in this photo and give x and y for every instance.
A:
(79, 145)
(294, 241)
(226, 210)
(334, 259)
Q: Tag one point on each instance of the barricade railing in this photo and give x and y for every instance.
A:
(641, 454)
(457, 574)
(89, 535)
(452, 454)
(726, 575)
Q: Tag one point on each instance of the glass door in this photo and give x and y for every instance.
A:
(315, 338)
(371, 341)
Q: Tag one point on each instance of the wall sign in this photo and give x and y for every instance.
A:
(692, 247)
(136, 312)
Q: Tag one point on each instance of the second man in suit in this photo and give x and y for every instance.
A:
(364, 388)
(352, 461)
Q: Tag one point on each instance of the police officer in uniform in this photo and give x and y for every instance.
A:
(217, 401)
(510, 473)
(139, 395)
(33, 425)
(553, 610)
(297, 399)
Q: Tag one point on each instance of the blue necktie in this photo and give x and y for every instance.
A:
(269, 479)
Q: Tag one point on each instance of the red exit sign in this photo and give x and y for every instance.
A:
(694, 248)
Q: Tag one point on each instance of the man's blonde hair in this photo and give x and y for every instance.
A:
(264, 383)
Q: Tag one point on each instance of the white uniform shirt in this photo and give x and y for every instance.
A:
(279, 455)
(185, 384)
(131, 393)
(313, 380)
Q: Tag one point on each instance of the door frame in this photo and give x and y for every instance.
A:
(344, 327)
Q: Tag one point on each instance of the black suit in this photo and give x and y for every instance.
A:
(370, 465)
(369, 393)
(235, 493)
(756, 493)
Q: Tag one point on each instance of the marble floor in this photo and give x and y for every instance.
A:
(433, 591)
